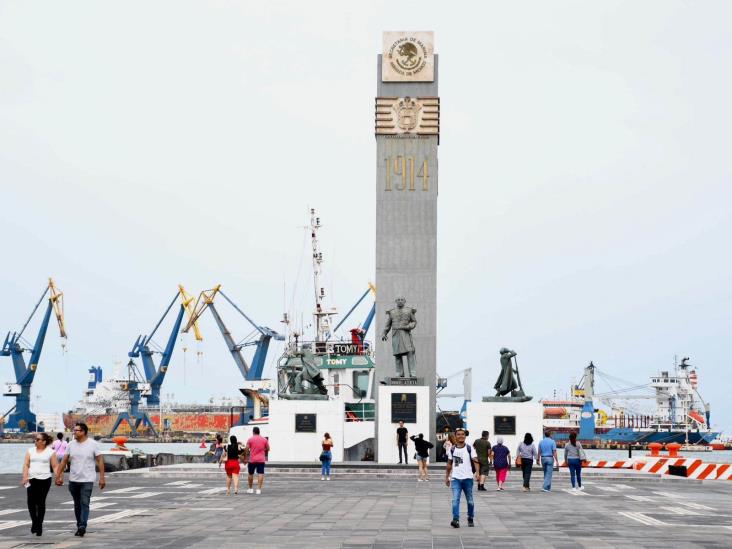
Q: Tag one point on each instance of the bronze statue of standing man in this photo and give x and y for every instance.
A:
(401, 321)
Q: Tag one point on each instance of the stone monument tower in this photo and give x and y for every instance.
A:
(407, 129)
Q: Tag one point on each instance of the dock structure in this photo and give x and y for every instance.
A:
(378, 507)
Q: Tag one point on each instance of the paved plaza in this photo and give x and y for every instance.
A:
(189, 509)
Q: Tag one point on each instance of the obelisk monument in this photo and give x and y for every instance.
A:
(407, 129)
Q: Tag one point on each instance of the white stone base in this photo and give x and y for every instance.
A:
(480, 417)
(287, 445)
(388, 452)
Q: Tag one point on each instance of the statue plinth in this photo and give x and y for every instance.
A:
(507, 399)
(415, 381)
(302, 396)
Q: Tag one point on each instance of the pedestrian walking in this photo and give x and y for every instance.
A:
(547, 457)
(231, 464)
(83, 452)
(422, 455)
(258, 447)
(501, 462)
(60, 446)
(39, 466)
(326, 457)
(574, 455)
(461, 465)
(218, 450)
(525, 456)
(402, 434)
(483, 452)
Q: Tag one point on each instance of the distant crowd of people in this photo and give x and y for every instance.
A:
(468, 464)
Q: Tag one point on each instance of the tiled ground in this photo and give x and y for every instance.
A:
(135, 511)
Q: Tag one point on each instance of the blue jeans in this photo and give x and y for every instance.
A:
(547, 464)
(325, 468)
(462, 485)
(81, 493)
(575, 470)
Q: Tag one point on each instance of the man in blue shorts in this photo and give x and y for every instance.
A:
(258, 450)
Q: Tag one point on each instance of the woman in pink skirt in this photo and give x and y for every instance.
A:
(501, 461)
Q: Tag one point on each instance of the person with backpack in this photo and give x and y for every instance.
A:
(422, 447)
(483, 451)
(461, 466)
(501, 462)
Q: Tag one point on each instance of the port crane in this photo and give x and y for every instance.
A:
(20, 416)
(358, 335)
(135, 387)
(155, 374)
(149, 385)
(252, 374)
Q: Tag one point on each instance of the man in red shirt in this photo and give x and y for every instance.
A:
(258, 449)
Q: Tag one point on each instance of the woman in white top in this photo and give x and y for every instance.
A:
(38, 469)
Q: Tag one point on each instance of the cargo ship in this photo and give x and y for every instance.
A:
(680, 414)
(105, 399)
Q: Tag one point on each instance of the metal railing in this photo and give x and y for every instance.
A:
(365, 411)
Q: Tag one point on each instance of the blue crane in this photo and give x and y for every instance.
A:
(251, 372)
(361, 332)
(155, 374)
(134, 417)
(22, 419)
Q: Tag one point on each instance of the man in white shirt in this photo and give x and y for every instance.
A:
(461, 466)
(83, 452)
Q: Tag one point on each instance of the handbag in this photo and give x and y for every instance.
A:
(323, 457)
(582, 455)
(518, 461)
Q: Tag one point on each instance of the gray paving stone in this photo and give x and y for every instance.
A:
(380, 513)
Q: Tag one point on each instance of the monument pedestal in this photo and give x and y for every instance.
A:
(509, 419)
(296, 429)
(401, 402)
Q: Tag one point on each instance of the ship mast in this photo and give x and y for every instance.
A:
(322, 317)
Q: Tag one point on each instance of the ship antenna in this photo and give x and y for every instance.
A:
(322, 316)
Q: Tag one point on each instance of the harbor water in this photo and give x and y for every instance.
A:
(11, 455)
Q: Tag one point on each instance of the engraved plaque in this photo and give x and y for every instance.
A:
(305, 423)
(404, 407)
(408, 57)
(504, 425)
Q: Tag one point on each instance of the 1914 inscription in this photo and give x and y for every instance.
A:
(402, 171)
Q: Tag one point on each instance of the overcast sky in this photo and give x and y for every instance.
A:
(584, 209)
